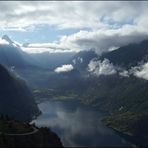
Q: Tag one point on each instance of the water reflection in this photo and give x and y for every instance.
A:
(77, 125)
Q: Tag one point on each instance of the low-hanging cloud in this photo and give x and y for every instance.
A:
(124, 73)
(64, 68)
(101, 40)
(104, 67)
(141, 71)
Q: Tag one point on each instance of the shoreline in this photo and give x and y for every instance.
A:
(133, 140)
(136, 141)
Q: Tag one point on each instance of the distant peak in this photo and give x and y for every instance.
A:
(6, 37)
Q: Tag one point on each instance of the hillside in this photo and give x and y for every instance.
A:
(128, 55)
(11, 56)
(81, 59)
(20, 134)
(50, 60)
(16, 100)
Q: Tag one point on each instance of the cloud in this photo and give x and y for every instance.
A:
(101, 40)
(124, 73)
(101, 67)
(77, 60)
(97, 68)
(64, 68)
(3, 42)
(101, 14)
(43, 49)
(102, 25)
(141, 71)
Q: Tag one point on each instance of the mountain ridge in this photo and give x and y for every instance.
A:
(16, 97)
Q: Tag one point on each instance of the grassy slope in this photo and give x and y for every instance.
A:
(44, 94)
(15, 127)
(43, 137)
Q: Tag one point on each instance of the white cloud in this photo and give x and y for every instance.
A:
(141, 71)
(81, 60)
(101, 67)
(64, 68)
(124, 73)
(75, 14)
(74, 61)
(110, 24)
(77, 60)
(3, 42)
(43, 49)
(101, 40)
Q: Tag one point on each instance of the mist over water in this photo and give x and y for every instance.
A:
(77, 125)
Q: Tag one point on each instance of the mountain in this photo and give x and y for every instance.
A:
(10, 55)
(125, 56)
(129, 55)
(16, 100)
(33, 68)
(51, 60)
(81, 60)
(6, 38)
(124, 98)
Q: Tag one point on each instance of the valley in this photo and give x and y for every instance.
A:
(122, 95)
(73, 74)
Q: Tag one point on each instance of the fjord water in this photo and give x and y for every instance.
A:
(77, 125)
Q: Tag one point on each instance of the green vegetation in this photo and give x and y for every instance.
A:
(44, 94)
(129, 123)
(66, 98)
(20, 134)
(124, 98)
(9, 126)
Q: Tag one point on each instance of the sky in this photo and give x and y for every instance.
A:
(74, 25)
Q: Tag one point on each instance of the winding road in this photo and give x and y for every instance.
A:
(23, 134)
